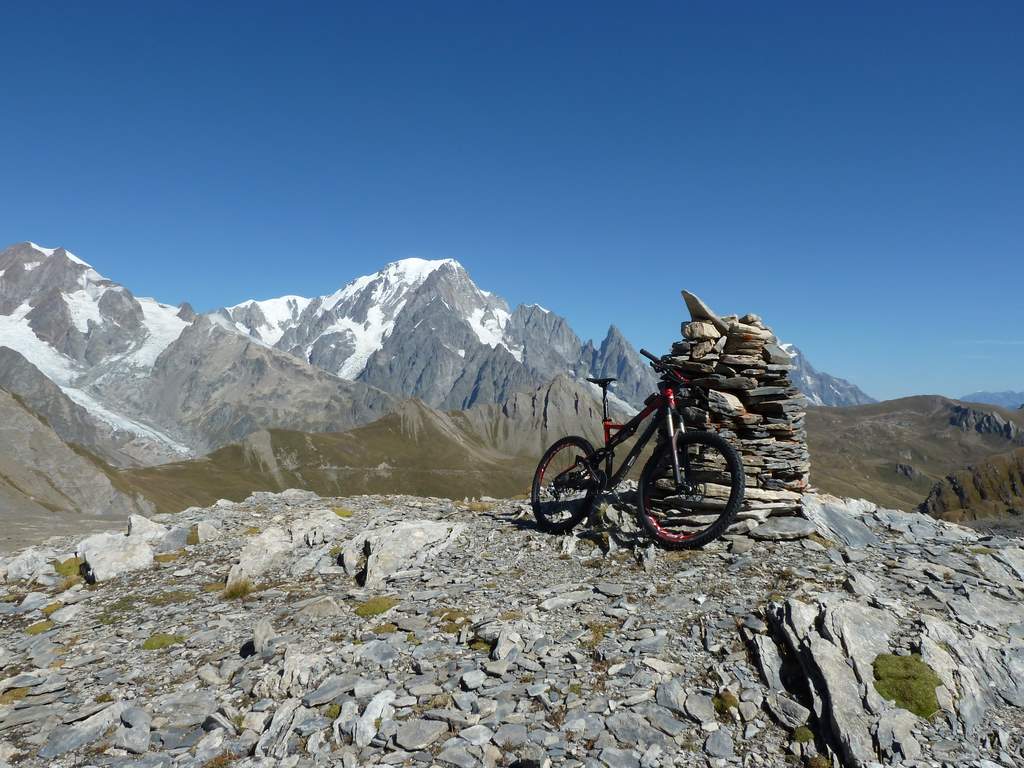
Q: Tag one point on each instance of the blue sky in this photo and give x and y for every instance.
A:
(854, 174)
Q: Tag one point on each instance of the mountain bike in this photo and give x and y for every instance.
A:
(689, 491)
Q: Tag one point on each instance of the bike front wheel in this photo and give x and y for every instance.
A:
(564, 485)
(704, 504)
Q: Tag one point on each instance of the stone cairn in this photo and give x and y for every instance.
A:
(740, 388)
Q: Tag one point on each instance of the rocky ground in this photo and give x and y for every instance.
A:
(291, 630)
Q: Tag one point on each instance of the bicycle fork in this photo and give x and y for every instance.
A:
(671, 427)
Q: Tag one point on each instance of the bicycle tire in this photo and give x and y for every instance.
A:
(658, 463)
(583, 506)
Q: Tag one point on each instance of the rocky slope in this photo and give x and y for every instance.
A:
(990, 489)
(71, 421)
(822, 388)
(291, 630)
(45, 484)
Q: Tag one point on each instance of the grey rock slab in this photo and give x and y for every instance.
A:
(458, 756)
(419, 734)
(396, 547)
(318, 608)
(473, 679)
(262, 634)
(841, 690)
(719, 744)
(700, 707)
(108, 555)
(894, 733)
(477, 735)
(67, 738)
(784, 529)
(510, 735)
(567, 600)
(788, 712)
(631, 728)
(134, 732)
(260, 553)
(619, 758)
(366, 725)
(838, 521)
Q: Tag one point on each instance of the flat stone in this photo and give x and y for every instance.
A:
(418, 734)
(719, 744)
(510, 735)
(784, 529)
(700, 707)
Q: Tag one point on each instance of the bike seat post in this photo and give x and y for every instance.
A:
(604, 401)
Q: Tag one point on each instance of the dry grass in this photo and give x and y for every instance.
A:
(238, 590)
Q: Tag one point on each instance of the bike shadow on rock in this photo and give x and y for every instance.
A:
(612, 524)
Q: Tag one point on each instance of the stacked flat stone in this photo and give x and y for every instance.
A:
(740, 387)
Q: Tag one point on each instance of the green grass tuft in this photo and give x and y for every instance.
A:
(39, 627)
(68, 568)
(375, 606)
(725, 701)
(909, 682)
(803, 735)
(343, 512)
(160, 640)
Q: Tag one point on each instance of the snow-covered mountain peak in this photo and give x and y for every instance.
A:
(395, 280)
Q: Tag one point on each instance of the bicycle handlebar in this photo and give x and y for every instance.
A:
(651, 357)
(658, 365)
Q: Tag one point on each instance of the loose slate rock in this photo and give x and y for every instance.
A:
(784, 529)
(418, 734)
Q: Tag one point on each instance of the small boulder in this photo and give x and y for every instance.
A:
(140, 527)
(108, 555)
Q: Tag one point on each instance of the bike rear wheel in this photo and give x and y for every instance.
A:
(704, 504)
(564, 485)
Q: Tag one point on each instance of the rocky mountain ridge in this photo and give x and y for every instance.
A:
(294, 630)
(822, 388)
(421, 328)
(991, 489)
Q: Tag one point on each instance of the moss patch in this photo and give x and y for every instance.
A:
(193, 536)
(384, 629)
(168, 557)
(67, 568)
(331, 711)
(343, 512)
(725, 701)
(160, 640)
(39, 627)
(803, 734)
(909, 682)
(375, 606)
(12, 695)
(51, 608)
(252, 530)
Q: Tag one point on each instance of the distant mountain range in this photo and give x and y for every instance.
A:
(135, 382)
(896, 451)
(822, 388)
(1005, 399)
